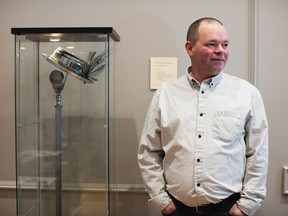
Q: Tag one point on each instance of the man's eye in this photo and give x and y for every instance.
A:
(225, 45)
(211, 44)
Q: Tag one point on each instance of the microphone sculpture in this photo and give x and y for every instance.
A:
(84, 71)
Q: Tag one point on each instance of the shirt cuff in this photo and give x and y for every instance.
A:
(248, 206)
(161, 201)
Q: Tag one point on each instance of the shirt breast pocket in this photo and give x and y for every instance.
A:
(226, 126)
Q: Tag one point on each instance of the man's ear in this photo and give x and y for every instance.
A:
(189, 46)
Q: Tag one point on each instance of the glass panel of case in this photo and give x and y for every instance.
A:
(27, 127)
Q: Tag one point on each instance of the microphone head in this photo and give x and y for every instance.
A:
(56, 76)
(57, 80)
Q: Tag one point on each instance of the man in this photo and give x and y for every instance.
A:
(204, 145)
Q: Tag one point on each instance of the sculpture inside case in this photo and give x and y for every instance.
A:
(86, 71)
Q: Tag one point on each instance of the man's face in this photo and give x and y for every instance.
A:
(210, 53)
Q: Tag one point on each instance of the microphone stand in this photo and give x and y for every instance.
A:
(58, 154)
(58, 81)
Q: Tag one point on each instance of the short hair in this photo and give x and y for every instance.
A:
(193, 30)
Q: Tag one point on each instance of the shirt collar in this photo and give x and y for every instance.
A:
(211, 81)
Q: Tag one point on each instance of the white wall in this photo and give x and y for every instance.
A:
(155, 29)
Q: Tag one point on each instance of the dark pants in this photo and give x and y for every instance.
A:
(219, 209)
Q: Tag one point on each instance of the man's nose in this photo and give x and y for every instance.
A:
(219, 48)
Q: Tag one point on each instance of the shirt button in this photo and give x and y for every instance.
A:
(201, 114)
(198, 160)
(202, 92)
(198, 184)
(199, 136)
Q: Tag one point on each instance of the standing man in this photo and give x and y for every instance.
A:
(204, 145)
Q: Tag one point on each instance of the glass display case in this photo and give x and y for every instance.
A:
(65, 162)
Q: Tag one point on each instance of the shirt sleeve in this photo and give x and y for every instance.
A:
(256, 139)
(150, 157)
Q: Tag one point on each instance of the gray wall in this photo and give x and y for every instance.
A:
(156, 29)
(272, 76)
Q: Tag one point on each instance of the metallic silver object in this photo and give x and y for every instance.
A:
(71, 64)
